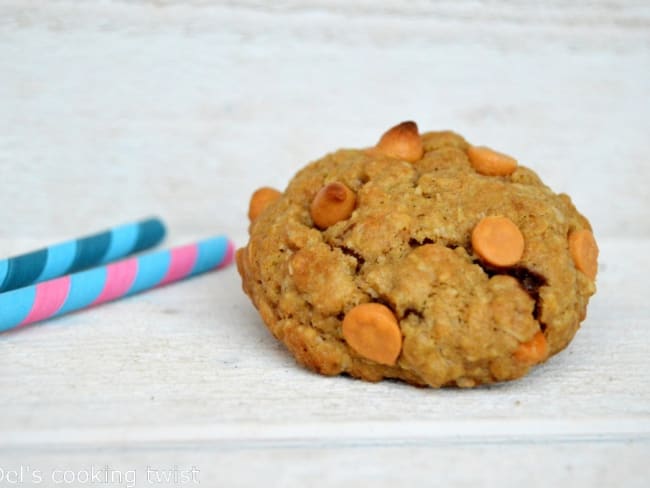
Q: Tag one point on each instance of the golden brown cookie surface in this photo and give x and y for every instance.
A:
(476, 277)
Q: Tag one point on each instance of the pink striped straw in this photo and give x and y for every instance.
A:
(107, 283)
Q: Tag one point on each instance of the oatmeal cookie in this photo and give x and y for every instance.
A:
(423, 258)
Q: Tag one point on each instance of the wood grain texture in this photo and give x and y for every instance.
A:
(113, 110)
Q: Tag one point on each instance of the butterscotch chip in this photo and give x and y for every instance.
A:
(498, 241)
(261, 199)
(402, 142)
(534, 351)
(413, 265)
(372, 330)
(333, 203)
(490, 162)
(584, 252)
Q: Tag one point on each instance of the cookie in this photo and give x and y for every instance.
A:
(423, 258)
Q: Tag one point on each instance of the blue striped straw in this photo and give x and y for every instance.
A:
(79, 254)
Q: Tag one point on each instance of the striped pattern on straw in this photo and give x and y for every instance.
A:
(102, 284)
(78, 254)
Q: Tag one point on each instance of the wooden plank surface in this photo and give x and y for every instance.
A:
(113, 110)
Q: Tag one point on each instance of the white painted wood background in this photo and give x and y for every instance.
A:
(113, 110)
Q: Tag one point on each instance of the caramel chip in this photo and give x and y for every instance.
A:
(372, 330)
(489, 162)
(261, 199)
(498, 241)
(584, 252)
(333, 203)
(402, 142)
(534, 351)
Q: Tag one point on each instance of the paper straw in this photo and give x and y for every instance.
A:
(106, 283)
(78, 254)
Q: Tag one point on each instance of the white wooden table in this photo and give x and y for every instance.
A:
(114, 110)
